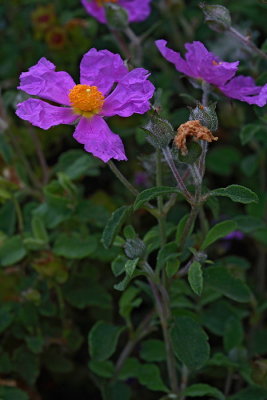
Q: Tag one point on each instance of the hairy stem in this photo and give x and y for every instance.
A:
(122, 178)
(162, 307)
(246, 40)
(180, 183)
(161, 218)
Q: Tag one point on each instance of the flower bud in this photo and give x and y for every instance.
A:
(134, 248)
(160, 132)
(117, 17)
(205, 115)
(217, 17)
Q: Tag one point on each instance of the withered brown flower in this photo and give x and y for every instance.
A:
(192, 129)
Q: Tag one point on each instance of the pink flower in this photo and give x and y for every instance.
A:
(199, 63)
(138, 10)
(88, 102)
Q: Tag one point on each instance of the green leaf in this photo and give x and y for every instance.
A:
(172, 267)
(194, 151)
(250, 393)
(114, 225)
(233, 334)
(237, 193)
(128, 301)
(103, 339)
(167, 252)
(39, 230)
(218, 231)
(122, 285)
(220, 279)
(152, 193)
(130, 266)
(55, 361)
(118, 265)
(80, 291)
(149, 376)
(222, 160)
(12, 251)
(249, 224)
(248, 132)
(201, 390)
(26, 364)
(12, 393)
(195, 277)
(6, 317)
(74, 246)
(190, 342)
(77, 163)
(102, 368)
(35, 343)
(153, 350)
(180, 228)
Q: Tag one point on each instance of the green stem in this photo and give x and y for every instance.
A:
(19, 214)
(142, 330)
(189, 224)
(247, 42)
(161, 218)
(122, 178)
(180, 183)
(163, 311)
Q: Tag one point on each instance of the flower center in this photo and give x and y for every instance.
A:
(101, 3)
(86, 100)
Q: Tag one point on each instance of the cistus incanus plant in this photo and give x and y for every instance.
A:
(149, 283)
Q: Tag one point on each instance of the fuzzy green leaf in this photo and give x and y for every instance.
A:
(152, 193)
(114, 225)
(218, 231)
(237, 193)
(103, 339)
(195, 277)
(190, 342)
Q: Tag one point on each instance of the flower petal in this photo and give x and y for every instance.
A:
(44, 115)
(138, 10)
(131, 95)
(102, 69)
(98, 12)
(42, 80)
(174, 57)
(199, 63)
(243, 88)
(99, 140)
(207, 66)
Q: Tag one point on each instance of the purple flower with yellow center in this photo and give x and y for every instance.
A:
(138, 10)
(106, 88)
(201, 64)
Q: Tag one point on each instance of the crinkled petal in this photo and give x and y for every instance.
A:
(138, 10)
(44, 115)
(96, 11)
(42, 80)
(102, 69)
(199, 63)
(174, 57)
(99, 140)
(243, 88)
(131, 95)
(207, 66)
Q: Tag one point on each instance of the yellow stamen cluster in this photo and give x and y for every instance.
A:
(86, 100)
(101, 3)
